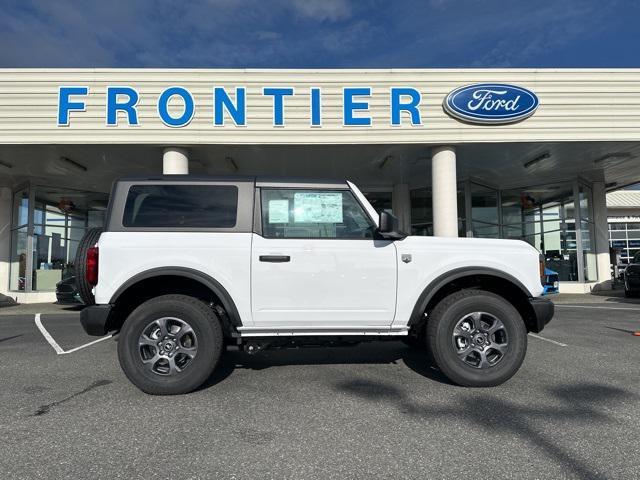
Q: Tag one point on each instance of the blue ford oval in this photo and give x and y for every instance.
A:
(491, 103)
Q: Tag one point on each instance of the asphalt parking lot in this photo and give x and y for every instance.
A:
(372, 411)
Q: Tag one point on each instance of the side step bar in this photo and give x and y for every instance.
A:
(332, 331)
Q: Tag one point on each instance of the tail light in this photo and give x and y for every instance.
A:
(92, 266)
(542, 268)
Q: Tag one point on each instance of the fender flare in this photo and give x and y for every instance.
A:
(192, 274)
(430, 290)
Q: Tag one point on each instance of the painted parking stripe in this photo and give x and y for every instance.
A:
(601, 308)
(47, 336)
(548, 340)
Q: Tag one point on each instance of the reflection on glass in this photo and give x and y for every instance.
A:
(585, 195)
(17, 277)
(20, 208)
(484, 204)
(421, 212)
(380, 200)
(485, 230)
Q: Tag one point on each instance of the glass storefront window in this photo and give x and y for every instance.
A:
(585, 195)
(20, 208)
(484, 204)
(380, 200)
(485, 230)
(17, 276)
(59, 220)
(421, 212)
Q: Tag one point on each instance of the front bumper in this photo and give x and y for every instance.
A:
(95, 319)
(543, 310)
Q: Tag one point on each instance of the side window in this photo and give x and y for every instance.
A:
(302, 213)
(181, 206)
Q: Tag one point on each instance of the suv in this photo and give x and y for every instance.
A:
(189, 266)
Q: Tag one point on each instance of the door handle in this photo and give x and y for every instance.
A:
(275, 258)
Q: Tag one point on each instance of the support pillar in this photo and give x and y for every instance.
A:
(601, 231)
(401, 205)
(5, 238)
(444, 192)
(175, 161)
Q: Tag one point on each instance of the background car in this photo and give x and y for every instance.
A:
(550, 281)
(67, 291)
(632, 277)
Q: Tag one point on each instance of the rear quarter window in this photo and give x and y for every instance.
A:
(181, 206)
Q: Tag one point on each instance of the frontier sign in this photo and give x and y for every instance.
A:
(231, 105)
(176, 106)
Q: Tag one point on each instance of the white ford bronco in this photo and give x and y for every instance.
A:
(187, 267)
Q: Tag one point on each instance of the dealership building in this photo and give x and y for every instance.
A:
(501, 153)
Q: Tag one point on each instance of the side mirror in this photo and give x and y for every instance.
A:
(388, 226)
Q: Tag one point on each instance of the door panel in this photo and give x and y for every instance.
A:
(322, 282)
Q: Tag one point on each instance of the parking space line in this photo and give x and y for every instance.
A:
(59, 350)
(601, 308)
(549, 340)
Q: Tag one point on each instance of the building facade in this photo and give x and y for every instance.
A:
(505, 153)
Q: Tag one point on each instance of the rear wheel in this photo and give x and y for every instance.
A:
(476, 338)
(170, 345)
(85, 290)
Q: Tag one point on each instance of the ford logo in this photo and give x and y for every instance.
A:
(491, 103)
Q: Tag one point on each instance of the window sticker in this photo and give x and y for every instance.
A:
(278, 211)
(317, 207)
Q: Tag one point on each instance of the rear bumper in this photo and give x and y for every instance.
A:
(543, 309)
(95, 319)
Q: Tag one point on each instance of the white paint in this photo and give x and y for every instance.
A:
(328, 282)
(223, 256)
(548, 340)
(445, 196)
(432, 257)
(47, 336)
(175, 161)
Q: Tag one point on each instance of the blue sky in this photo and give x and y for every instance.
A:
(319, 33)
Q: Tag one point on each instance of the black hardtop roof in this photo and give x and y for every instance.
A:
(258, 180)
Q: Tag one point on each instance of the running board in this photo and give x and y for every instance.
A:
(321, 331)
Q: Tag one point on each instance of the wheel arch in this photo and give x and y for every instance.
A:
(481, 278)
(185, 277)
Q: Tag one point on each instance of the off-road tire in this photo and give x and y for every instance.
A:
(440, 327)
(89, 239)
(205, 324)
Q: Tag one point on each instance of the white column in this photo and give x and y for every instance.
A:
(401, 204)
(601, 227)
(5, 238)
(444, 192)
(175, 161)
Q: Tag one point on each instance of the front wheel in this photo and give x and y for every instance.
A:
(170, 345)
(476, 338)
